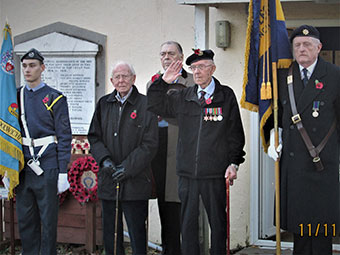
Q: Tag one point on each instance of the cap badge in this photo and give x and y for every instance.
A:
(31, 54)
(198, 52)
(305, 31)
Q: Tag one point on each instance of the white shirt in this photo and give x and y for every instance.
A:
(310, 70)
(209, 90)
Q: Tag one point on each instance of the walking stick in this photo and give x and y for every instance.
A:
(228, 216)
(116, 219)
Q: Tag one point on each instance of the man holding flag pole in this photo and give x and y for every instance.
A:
(267, 48)
(308, 110)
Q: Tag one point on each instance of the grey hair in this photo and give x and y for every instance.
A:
(178, 46)
(122, 63)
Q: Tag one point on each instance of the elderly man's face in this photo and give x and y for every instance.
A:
(122, 79)
(306, 50)
(202, 71)
(169, 53)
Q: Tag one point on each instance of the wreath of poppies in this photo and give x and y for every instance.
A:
(80, 167)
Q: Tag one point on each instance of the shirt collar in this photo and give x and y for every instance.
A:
(310, 69)
(123, 99)
(209, 90)
(41, 85)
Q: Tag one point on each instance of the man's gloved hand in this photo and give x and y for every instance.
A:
(63, 183)
(119, 175)
(272, 152)
(108, 166)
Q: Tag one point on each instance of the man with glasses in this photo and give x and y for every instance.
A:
(210, 145)
(164, 164)
(123, 137)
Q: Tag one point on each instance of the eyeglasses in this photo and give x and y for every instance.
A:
(199, 67)
(123, 76)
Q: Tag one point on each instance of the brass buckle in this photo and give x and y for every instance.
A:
(296, 118)
(316, 159)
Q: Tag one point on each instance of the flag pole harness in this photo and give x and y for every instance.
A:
(34, 163)
(296, 119)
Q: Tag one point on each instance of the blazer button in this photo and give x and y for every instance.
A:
(314, 129)
(291, 154)
(322, 103)
(291, 127)
(284, 101)
(115, 134)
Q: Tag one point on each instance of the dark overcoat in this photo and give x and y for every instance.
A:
(309, 196)
(127, 134)
(205, 148)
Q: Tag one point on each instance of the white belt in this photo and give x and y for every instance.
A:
(39, 141)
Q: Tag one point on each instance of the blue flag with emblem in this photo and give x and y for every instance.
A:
(11, 155)
(267, 42)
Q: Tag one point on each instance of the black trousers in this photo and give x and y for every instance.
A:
(135, 213)
(311, 245)
(169, 212)
(37, 210)
(213, 194)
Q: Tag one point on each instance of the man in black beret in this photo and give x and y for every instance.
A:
(309, 163)
(210, 145)
(46, 139)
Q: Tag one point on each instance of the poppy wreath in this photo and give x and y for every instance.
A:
(80, 167)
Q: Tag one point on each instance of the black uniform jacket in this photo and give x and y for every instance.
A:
(130, 139)
(309, 196)
(205, 148)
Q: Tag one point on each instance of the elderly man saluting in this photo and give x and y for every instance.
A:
(210, 145)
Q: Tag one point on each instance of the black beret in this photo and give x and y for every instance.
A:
(199, 55)
(33, 54)
(305, 30)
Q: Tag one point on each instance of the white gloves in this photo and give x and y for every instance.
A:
(63, 183)
(272, 152)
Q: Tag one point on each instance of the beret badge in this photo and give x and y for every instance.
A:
(198, 52)
(305, 31)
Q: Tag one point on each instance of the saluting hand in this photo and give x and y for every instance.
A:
(172, 72)
(231, 172)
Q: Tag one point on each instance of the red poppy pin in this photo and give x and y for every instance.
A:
(318, 84)
(156, 76)
(198, 52)
(46, 99)
(133, 115)
(208, 101)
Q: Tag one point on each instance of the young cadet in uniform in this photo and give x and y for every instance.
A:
(164, 163)
(124, 139)
(46, 139)
(309, 109)
(210, 145)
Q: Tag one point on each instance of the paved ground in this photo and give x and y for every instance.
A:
(260, 251)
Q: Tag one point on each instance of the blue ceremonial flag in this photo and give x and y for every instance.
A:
(11, 155)
(267, 42)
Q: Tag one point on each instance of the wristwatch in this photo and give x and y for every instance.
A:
(234, 165)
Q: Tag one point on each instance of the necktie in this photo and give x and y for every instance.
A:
(202, 99)
(305, 77)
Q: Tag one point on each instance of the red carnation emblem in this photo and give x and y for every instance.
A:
(208, 101)
(155, 77)
(45, 100)
(318, 84)
(133, 114)
(198, 52)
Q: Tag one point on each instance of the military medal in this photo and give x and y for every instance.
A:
(211, 114)
(316, 107)
(215, 114)
(206, 118)
(219, 111)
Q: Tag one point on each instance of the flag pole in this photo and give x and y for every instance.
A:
(277, 165)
